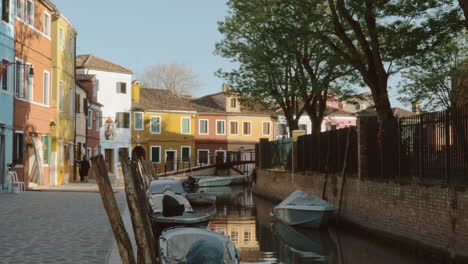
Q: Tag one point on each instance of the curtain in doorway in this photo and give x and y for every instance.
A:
(37, 171)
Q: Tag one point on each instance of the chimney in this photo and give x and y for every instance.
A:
(225, 87)
(415, 107)
(136, 91)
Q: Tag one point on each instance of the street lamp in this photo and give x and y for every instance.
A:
(4, 66)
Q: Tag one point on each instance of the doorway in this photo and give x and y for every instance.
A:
(171, 160)
(66, 163)
(138, 153)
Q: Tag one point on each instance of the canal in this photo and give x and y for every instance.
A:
(246, 219)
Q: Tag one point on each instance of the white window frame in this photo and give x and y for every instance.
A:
(181, 125)
(221, 150)
(21, 18)
(219, 134)
(230, 103)
(160, 124)
(28, 79)
(19, 65)
(46, 30)
(198, 156)
(142, 121)
(207, 127)
(71, 103)
(96, 151)
(95, 87)
(46, 95)
(98, 121)
(182, 153)
(28, 21)
(250, 130)
(151, 153)
(269, 134)
(89, 119)
(233, 121)
(61, 96)
(61, 38)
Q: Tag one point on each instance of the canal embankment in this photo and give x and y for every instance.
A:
(429, 217)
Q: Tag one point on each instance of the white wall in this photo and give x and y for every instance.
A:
(113, 102)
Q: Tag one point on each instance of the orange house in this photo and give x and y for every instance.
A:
(34, 108)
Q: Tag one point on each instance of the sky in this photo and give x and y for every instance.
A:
(139, 33)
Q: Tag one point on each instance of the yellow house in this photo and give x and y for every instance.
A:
(63, 36)
(163, 127)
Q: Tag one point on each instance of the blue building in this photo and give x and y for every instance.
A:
(7, 55)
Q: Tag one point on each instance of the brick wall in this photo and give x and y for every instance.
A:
(431, 215)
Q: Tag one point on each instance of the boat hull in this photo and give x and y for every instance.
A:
(201, 198)
(303, 218)
(212, 182)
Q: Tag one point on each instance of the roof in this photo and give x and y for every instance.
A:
(96, 63)
(331, 111)
(160, 99)
(85, 77)
(205, 104)
(218, 101)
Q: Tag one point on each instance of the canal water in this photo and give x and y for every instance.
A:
(246, 219)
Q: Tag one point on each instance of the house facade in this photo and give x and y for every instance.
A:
(113, 86)
(34, 110)
(7, 76)
(63, 94)
(81, 121)
(163, 127)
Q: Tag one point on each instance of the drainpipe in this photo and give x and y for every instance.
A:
(74, 85)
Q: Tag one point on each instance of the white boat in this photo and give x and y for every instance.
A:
(201, 198)
(175, 243)
(155, 201)
(211, 181)
(157, 187)
(304, 210)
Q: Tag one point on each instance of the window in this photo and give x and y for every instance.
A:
(18, 147)
(96, 151)
(109, 159)
(95, 87)
(30, 12)
(61, 97)
(19, 79)
(125, 151)
(71, 46)
(6, 11)
(282, 129)
(47, 24)
(233, 103)
(303, 127)
(46, 148)
(234, 235)
(155, 154)
(246, 128)
(29, 83)
(138, 120)
(88, 153)
(203, 127)
(78, 103)
(266, 131)
(89, 119)
(122, 87)
(61, 38)
(61, 153)
(98, 122)
(20, 9)
(233, 127)
(220, 127)
(123, 120)
(71, 102)
(247, 234)
(155, 125)
(220, 155)
(332, 127)
(185, 153)
(5, 76)
(46, 87)
(203, 156)
(185, 125)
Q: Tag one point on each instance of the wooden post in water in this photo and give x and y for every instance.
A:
(110, 204)
(138, 212)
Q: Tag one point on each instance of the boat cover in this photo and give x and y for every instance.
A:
(157, 186)
(302, 199)
(207, 250)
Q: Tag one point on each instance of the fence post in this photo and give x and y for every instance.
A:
(364, 122)
(261, 151)
(447, 145)
(295, 135)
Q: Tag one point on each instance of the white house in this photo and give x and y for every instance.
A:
(113, 85)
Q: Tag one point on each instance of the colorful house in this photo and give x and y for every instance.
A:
(112, 84)
(63, 97)
(7, 75)
(163, 127)
(34, 109)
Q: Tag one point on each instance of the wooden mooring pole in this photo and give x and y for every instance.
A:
(110, 204)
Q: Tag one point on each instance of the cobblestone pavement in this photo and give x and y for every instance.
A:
(55, 227)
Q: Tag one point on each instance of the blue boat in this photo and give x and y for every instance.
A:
(304, 210)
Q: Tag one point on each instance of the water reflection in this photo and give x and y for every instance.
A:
(246, 219)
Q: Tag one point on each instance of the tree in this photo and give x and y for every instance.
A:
(434, 80)
(464, 7)
(174, 77)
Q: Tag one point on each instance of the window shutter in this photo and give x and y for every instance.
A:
(85, 105)
(126, 120)
(77, 103)
(123, 87)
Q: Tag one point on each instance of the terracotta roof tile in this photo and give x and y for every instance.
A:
(160, 99)
(96, 63)
(85, 77)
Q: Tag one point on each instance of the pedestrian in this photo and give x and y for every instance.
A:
(83, 169)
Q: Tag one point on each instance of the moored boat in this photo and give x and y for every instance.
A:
(176, 243)
(201, 198)
(304, 210)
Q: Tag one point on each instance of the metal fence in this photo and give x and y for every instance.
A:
(431, 147)
(326, 151)
(277, 154)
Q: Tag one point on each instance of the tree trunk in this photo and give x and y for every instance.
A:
(293, 124)
(464, 7)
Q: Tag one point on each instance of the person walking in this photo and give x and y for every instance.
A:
(83, 169)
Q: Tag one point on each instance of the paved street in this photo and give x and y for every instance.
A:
(55, 227)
